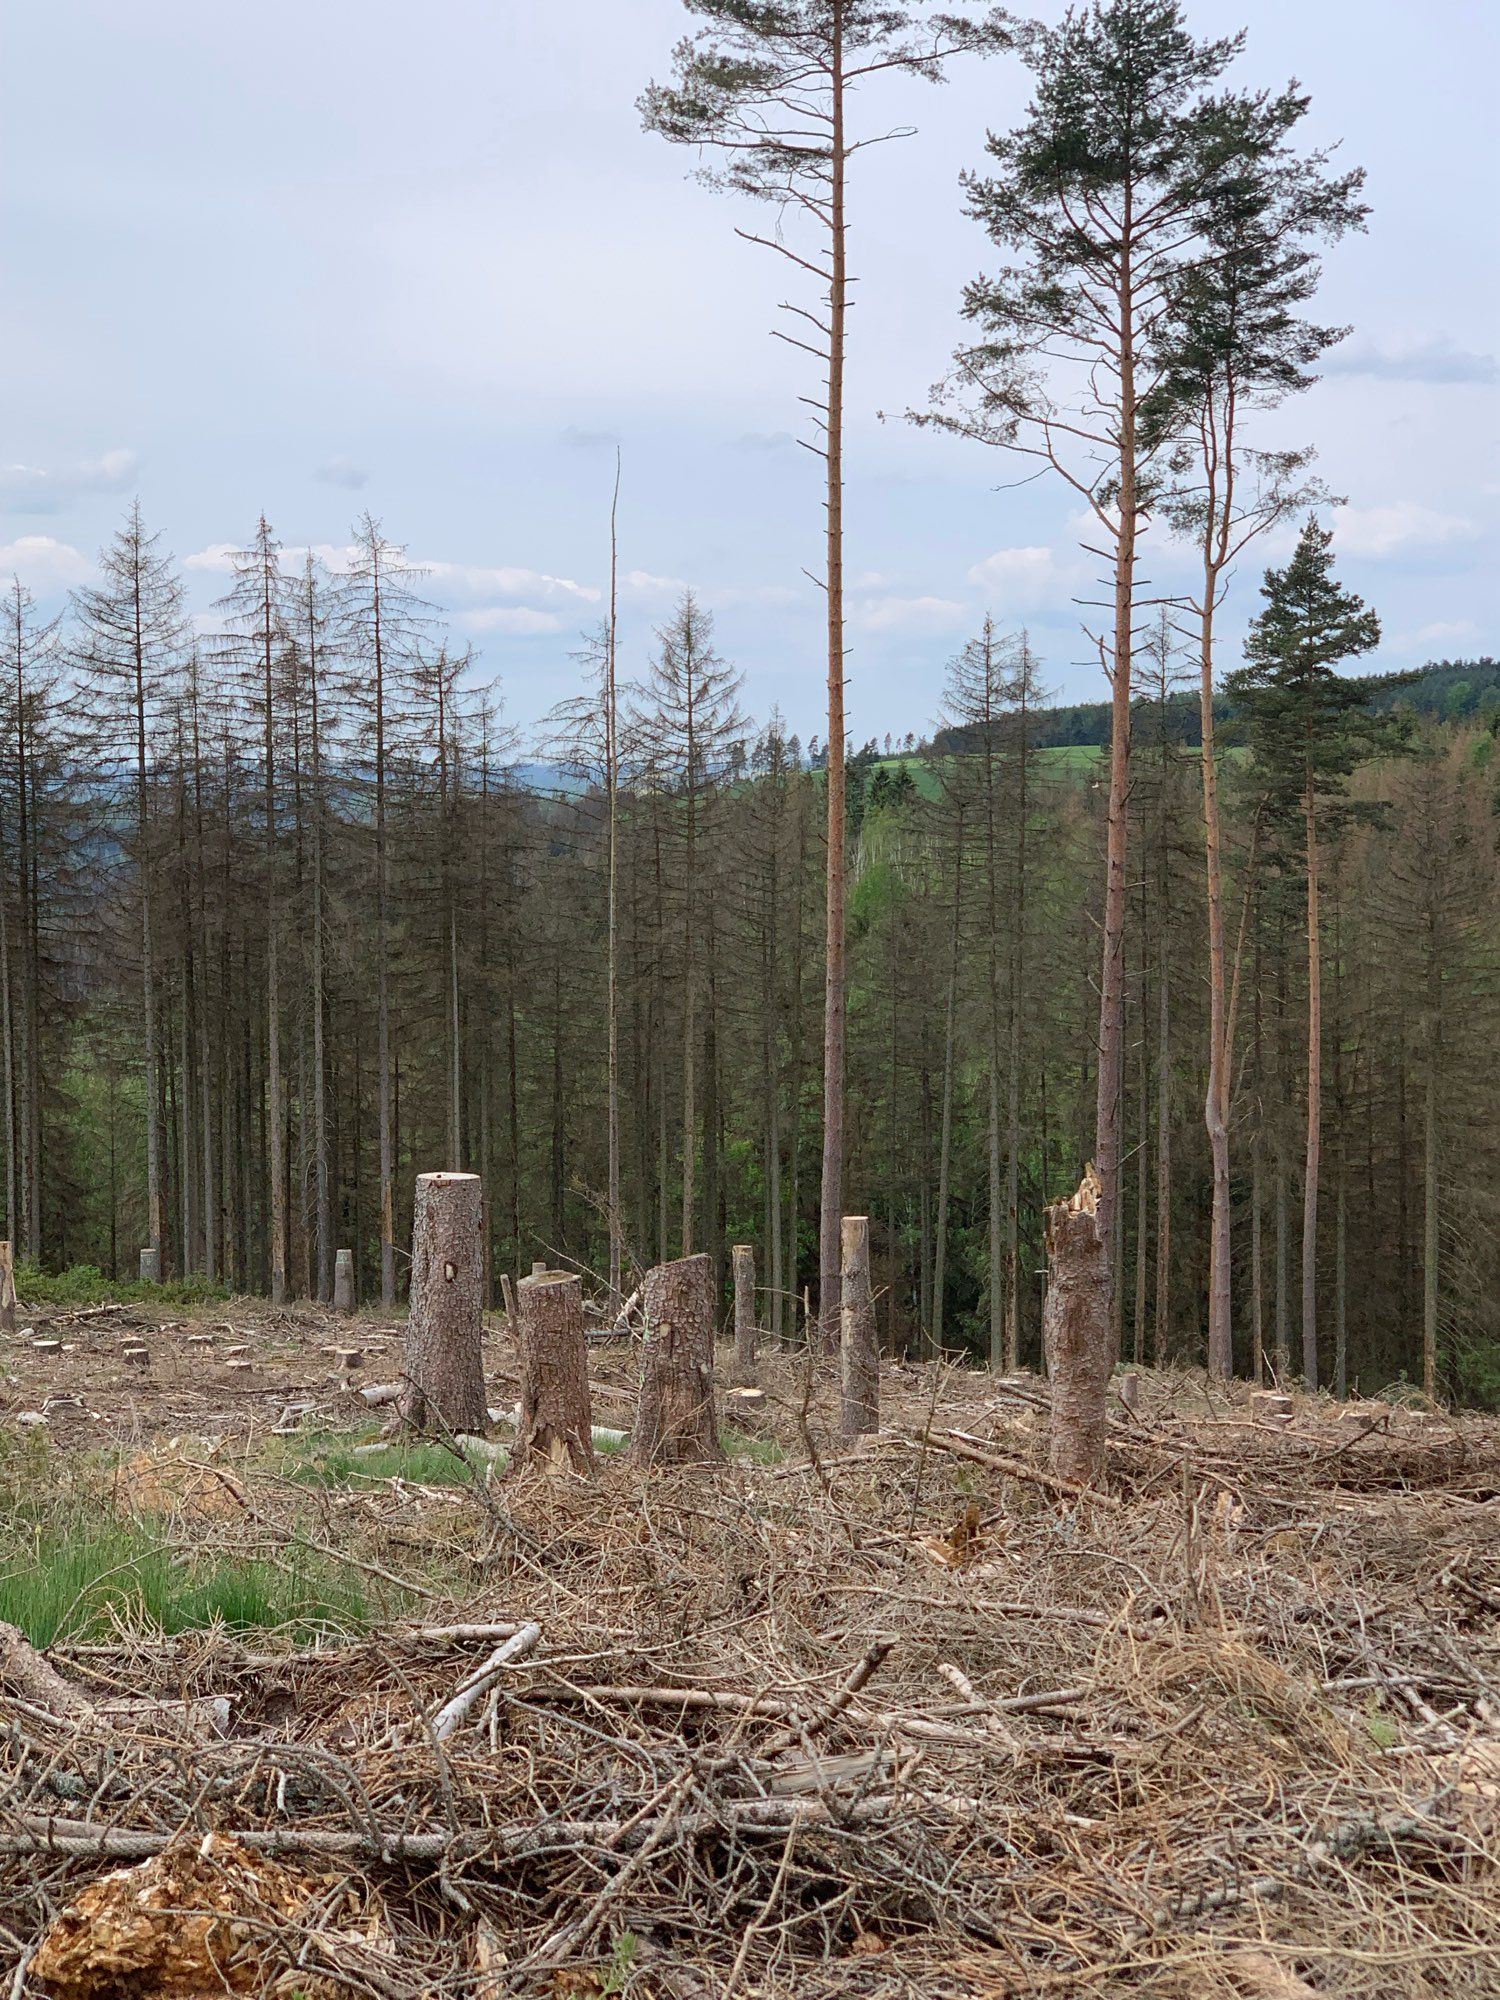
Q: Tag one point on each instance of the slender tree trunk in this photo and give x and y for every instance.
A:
(859, 1346)
(612, 942)
(832, 1199)
(1162, 1335)
(1314, 1101)
(945, 1138)
(744, 1313)
(1430, 1243)
(1216, 1101)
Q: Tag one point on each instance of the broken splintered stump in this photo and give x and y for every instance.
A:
(443, 1349)
(1078, 1335)
(859, 1351)
(554, 1427)
(675, 1422)
(343, 1282)
(7, 1288)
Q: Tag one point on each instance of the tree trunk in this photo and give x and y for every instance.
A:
(945, 1135)
(1314, 1103)
(1077, 1338)
(831, 1207)
(859, 1346)
(443, 1353)
(343, 1282)
(676, 1423)
(1430, 1168)
(744, 1313)
(555, 1432)
(7, 1289)
(1163, 1172)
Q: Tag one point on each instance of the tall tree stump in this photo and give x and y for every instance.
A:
(443, 1353)
(555, 1431)
(7, 1288)
(1079, 1336)
(150, 1265)
(343, 1282)
(744, 1314)
(859, 1346)
(675, 1420)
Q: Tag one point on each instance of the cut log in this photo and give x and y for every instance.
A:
(555, 1431)
(443, 1350)
(343, 1282)
(859, 1347)
(7, 1288)
(675, 1420)
(744, 1313)
(1076, 1326)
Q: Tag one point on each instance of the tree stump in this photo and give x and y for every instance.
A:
(442, 1352)
(554, 1432)
(675, 1421)
(150, 1265)
(744, 1314)
(7, 1288)
(859, 1347)
(343, 1282)
(1079, 1337)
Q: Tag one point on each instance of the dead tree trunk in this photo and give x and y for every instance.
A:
(343, 1282)
(555, 1430)
(675, 1422)
(859, 1346)
(7, 1289)
(744, 1313)
(443, 1356)
(1078, 1339)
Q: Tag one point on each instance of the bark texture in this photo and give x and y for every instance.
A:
(675, 1421)
(859, 1346)
(744, 1313)
(7, 1289)
(343, 1282)
(1080, 1345)
(555, 1431)
(443, 1354)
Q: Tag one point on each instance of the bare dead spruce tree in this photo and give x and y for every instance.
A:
(1076, 1327)
(555, 1431)
(443, 1355)
(675, 1422)
(859, 1350)
(744, 1313)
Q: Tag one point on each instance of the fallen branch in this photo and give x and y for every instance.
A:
(454, 1710)
(960, 1445)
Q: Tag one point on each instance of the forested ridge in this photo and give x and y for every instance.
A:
(327, 780)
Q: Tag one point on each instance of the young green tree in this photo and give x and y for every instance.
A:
(769, 85)
(1309, 729)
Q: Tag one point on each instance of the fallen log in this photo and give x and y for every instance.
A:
(963, 1446)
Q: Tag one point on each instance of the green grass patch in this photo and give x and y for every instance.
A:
(322, 1458)
(86, 1285)
(739, 1444)
(81, 1582)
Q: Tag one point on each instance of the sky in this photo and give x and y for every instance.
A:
(314, 257)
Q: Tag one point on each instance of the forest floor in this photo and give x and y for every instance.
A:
(888, 1719)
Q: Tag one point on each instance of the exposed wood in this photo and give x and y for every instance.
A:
(743, 1258)
(1080, 1345)
(7, 1288)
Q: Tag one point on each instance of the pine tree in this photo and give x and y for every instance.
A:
(1309, 730)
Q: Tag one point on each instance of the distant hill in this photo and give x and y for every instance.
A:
(1448, 689)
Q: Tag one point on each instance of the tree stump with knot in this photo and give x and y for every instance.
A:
(443, 1355)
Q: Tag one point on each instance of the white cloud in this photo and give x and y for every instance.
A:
(1444, 632)
(31, 489)
(217, 559)
(519, 620)
(641, 583)
(341, 471)
(44, 561)
(477, 580)
(1026, 579)
(1432, 359)
(1381, 531)
(898, 614)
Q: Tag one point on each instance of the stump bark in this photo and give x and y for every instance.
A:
(675, 1422)
(1077, 1329)
(343, 1282)
(859, 1348)
(7, 1288)
(744, 1314)
(554, 1432)
(443, 1352)
(150, 1265)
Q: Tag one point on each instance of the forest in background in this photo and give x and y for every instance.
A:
(305, 842)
